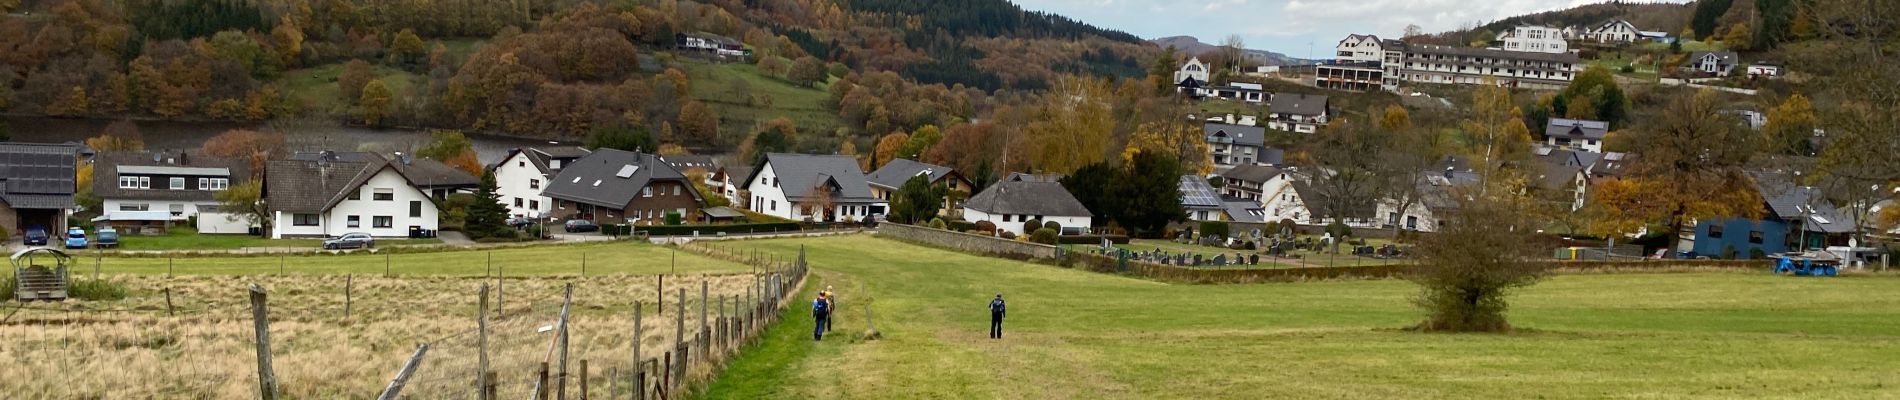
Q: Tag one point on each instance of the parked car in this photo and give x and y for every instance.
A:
(107, 238)
(520, 222)
(356, 240)
(36, 236)
(581, 225)
(76, 238)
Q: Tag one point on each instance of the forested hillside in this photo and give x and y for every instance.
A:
(878, 78)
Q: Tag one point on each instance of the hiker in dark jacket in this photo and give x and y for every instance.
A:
(820, 312)
(996, 317)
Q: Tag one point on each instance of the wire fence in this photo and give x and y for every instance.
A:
(478, 337)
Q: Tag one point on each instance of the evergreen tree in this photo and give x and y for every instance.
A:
(1707, 14)
(4, 135)
(488, 217)
(917, 200)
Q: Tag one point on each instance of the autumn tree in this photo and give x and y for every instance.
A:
(1175, 137)
(1342, 164)
(121, 135)
(890, 147)
(1467, 270)
(1408, 153)
(245, 202)
(1071, 128)
(288, 41)
(774, 136)
(919, 142)
(1494, 131)
(453, 148)
(356, 74)
(407, 49)
(774, 65)
(256, 148)
(1593, 95)
(375, 102)
(1688, 167)
(806, 71)
(699, 123)
(74, 103)
(1791, 126)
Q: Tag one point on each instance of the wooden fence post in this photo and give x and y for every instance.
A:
(260, 316)
(639, 364)
(541, 382)
(385, 265)
(483, 378)
(705, 326)
(501, 303)
(349, 282)
(402, 376)
(567, 300)
(583, 394)
(168, 302)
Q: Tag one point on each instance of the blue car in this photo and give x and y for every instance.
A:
(76, 238)
(36, 236)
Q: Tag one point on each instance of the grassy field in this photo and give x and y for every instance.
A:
(1080, 335)
(601, 259)
(316, 87)
(189, 239)
(725, 87)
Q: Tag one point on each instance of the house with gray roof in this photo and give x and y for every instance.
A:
(817, 188)
(1303, 113)
(179, 185)
(1436, 197)
(1576, 134)
(524, 172)
(1202, 202)
(1251, 182)
(621, 187)
(1232, 145)
(328, 195)
(434, 177)
(1794, 218)
(888, 179)
(36, 186)
(723, 181)
(1009, 204)
(1713, 63)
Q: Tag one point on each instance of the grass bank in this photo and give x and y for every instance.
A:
(1075, 334)
(613, 258)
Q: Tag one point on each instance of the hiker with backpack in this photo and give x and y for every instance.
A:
(996, 317)
(820, 314)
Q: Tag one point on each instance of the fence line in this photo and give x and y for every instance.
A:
(163, 340)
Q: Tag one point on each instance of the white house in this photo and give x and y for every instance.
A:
(1764, 70)
(1292, 197)
(1009, 204)
(1534, 39)
(1576, 134)
(177, 183)
(1616, 31)
(818, 188)
(1301, 113)
(1435, 198)
(1360, 48)
(524, 173)
(1194, 69)
(1718, 63)
(329, 197)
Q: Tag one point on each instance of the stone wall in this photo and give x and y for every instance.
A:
(966, 242)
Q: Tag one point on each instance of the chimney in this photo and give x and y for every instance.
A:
(184, 158)
(402, 158)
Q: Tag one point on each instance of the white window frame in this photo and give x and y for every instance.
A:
(128, 182)
(177, 183)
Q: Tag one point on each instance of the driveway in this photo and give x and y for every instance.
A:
(581, 237)
(454, 238)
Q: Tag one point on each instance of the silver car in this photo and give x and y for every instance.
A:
(357, 240)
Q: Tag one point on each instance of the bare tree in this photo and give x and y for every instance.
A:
(1234, 50)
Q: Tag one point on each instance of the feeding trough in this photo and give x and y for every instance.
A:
(38, 281)
(1807, 264)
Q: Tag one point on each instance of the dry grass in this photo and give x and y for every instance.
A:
(130, 348)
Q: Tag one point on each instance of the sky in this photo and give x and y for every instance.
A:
(1291, 27)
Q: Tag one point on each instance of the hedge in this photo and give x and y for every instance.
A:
(683, 230)
(1092, 239)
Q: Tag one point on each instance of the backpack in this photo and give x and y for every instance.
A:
(819, 306)
(996, 305)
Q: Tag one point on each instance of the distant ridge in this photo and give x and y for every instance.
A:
(1192, 45)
